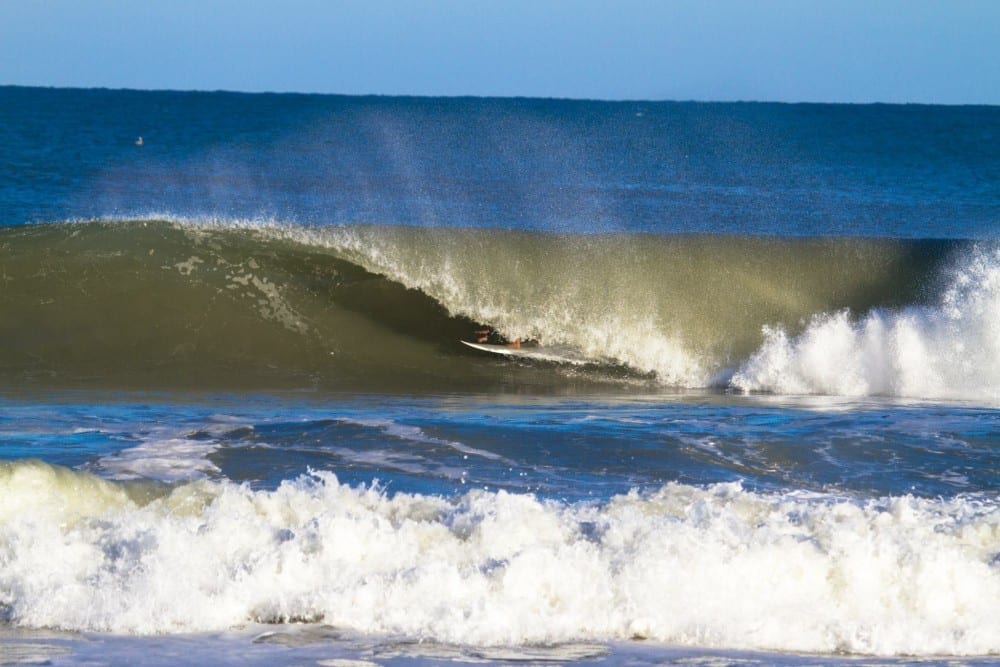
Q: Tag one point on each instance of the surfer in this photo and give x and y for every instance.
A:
(483, 335)
(138, 142)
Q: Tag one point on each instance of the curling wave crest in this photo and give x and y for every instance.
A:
(251, 304)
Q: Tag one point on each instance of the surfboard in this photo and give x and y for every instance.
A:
(541, 353)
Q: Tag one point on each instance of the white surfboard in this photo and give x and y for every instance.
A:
(560, 355)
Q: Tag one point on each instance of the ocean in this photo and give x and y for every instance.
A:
(238, 424)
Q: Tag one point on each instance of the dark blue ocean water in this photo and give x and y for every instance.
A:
(804, 169)
(236, 423)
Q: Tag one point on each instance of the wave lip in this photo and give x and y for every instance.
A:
(717, 566)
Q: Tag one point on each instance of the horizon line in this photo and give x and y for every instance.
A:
(627, 100)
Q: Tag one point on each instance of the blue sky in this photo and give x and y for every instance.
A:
(944, 51)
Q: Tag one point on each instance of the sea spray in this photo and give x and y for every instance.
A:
(709, 566)
(947, 350)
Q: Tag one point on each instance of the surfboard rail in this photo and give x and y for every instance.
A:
(541, 353)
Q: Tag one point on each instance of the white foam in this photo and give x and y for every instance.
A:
(417, 435)
(166, 459)
(950, 350)
(166, 455)
(717, 566)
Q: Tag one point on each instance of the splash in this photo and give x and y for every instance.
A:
(948, 350)
(685, 565)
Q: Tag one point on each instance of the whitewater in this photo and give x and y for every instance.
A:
(238, 424)
(682, 564)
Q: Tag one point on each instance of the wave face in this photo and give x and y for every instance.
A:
(235, 304)
(152, 302)
(685, 565)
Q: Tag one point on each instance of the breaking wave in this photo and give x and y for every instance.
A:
(718, 566)
(206, 303)
(950, 349)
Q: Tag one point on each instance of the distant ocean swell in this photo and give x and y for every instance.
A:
(240, 303)
(713, 566)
